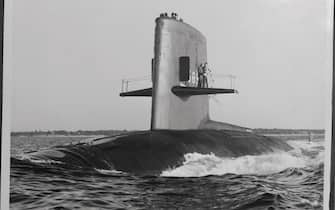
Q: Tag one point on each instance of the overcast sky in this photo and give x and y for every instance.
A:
(69, 58)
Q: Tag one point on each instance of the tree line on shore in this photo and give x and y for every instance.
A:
(116, 132)
(288, 131)
(68, 133)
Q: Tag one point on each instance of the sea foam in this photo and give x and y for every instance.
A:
(197, 164)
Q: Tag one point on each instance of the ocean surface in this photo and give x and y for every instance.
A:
(291, 180)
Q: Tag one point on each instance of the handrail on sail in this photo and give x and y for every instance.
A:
(130, 83)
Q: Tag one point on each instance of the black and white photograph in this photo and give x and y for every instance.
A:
(167, 104)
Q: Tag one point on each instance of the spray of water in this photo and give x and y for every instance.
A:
(196, 164)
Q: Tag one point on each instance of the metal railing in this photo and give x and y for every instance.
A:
(221, 81)
(130, 84)
(227, 81)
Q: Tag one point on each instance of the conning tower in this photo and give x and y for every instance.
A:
(178, 101)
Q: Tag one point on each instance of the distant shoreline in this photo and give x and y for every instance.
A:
(64, 133)
(58, 136)
(85, 133)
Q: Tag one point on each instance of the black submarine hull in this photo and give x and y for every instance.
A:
(151, 152)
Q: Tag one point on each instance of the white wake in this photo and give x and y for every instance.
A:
(196, 164)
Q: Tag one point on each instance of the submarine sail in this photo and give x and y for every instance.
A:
(179, 101)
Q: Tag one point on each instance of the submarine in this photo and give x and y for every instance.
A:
(180, 121)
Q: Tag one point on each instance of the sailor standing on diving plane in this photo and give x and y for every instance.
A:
(203, 71)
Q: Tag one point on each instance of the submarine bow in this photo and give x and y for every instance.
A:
(151, 152)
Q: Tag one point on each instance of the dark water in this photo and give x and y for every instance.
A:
(279, 181)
